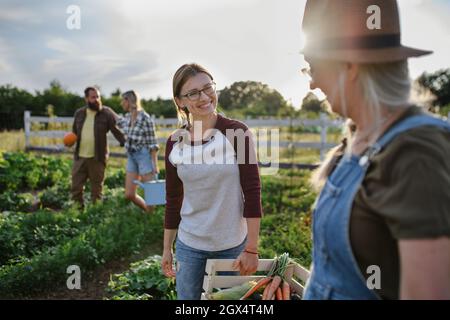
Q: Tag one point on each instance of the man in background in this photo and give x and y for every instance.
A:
(91, 125)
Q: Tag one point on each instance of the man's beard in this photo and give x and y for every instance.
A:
(94, 106)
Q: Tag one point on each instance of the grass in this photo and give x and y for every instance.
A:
(12, 141)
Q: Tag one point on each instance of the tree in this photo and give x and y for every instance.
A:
(13, 99)
(250, 98)
(13, 103)
(438, 83)
(312, 104)
(116, 93)
(65, 103)
(160, 107)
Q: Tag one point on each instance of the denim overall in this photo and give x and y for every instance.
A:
(335, 273)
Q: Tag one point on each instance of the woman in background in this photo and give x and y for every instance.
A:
(141, 146)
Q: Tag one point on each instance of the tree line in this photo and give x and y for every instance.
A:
(241, 100)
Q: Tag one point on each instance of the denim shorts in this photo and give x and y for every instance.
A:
(191, 265)
(139, 162)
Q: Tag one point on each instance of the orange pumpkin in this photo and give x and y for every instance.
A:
(69, 139)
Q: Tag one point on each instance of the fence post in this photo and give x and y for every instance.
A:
(323, 135)
(27, 126)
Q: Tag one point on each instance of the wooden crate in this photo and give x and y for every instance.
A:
(294, 273)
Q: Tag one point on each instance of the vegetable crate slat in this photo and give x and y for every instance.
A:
(294, 273)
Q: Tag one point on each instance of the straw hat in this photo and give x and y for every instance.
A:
(362, 31)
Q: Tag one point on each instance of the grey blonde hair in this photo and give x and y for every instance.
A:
(384, 85)
(133, 99)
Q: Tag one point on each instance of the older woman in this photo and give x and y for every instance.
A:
(141, 145)
(213, 202)
(381, 225)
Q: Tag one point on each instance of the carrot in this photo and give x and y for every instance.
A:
(273, 286)
(258, 285)
(264, 296)
(279, 294)
(286, 289)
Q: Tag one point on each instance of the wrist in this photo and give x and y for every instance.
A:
(251, 247)
(253, 252)
(168, 249)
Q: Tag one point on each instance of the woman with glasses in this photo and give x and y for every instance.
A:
(141, 145)
(213, 189)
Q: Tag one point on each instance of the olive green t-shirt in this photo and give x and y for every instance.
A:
(404, 195)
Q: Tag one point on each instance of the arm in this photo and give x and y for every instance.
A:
(242, 141)
(154, 155)
(167, 258)
(114, 115)
(248, 260)
(415, 208)
(251, 188)
(154, 148)
(172, 218)
(74, 128)
(151, 134)
(174, 191)
(120, 121)
(253, 226)
(425, 268)
(118, 134)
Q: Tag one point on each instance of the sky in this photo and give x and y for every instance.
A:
(139, 44)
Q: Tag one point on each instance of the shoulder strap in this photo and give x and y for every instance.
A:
(406, 125)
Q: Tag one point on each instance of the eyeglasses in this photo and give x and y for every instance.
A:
(196, 94)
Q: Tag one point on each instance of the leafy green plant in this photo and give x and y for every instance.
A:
(111, 229)
(115, 178)
(144, 280)
(12, 201)
(23, 171)
(286, 225)
(55, 197)
(28, 234)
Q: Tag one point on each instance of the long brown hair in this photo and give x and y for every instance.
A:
(181, 76)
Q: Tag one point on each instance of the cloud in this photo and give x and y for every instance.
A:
(5, 66)
(139, 44)
(5, 52)
(425, 26)
(11, 14)
(62, 45)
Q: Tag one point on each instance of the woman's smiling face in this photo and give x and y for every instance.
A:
(198, 94)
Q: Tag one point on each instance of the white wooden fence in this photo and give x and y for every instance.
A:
(169, 124)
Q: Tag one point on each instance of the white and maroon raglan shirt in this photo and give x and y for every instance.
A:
(212, 186)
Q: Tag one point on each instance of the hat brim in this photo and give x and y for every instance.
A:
(367, 55)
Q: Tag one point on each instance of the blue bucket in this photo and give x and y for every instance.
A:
(154, 190)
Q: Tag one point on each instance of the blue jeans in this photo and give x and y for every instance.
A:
(191, 265)
(139, 162)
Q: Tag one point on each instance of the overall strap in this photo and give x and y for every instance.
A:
(404, 125)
